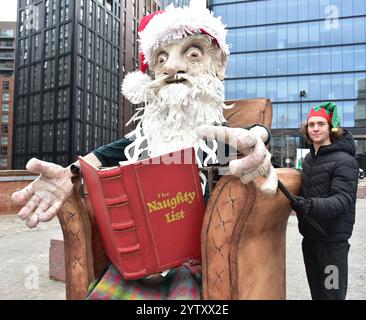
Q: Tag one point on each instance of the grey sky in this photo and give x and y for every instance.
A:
(8, 10)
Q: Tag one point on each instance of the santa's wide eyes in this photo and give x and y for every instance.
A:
(194, 53)
(162, 57)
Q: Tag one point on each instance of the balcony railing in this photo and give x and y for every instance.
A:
(6, 66)
(6, 45)
(6, 56)
(7, 33)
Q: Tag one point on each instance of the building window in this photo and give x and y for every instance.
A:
(4, 128)
(64, 68)
(6, 96)
(22, 79)
(79, 104)
(20, 145)
(91, 14)
(36, 77)
(23, 49)
(89, 75)
(81, 12)
(98, 80)
(99, 20)
(35, 104)
(5, 118)
(64, 10)
(62, 136)
(47, 138)
(7, 33)
(78, 136)
(4, 140)
(50, 15)
(100, 46)
(21, 112)
(3, 151)
(49, 69)
(81, 39)
(6, 85)
(89, 107)
(50, 43)
(64, 39)
(33, 139)
(90, 44)
(80, 71)
(48, 106)
(36, 49)
(63, 101)
(5, 107)
(3, 162)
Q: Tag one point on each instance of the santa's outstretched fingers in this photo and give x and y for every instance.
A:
(251, 143)
(44, 196)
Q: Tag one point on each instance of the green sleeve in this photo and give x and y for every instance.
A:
(111, 154)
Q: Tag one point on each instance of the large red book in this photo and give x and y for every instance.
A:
(149, 213)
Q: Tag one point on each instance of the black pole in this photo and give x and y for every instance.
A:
(309, 219)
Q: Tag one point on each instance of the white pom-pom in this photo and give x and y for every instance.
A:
(134, 86)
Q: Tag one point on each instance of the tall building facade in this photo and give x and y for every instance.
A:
(298, 53)
(176, 3)
(71, 58)
(7, 56)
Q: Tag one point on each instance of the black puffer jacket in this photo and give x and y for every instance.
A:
(330, 179)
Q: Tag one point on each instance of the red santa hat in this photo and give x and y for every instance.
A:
(164, 26)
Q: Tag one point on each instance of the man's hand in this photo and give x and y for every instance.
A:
(301, 205)
(250, 143)
(43, 197)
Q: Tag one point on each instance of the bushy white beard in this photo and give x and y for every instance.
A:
(172, 113)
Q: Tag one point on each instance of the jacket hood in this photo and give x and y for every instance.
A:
(345, 143)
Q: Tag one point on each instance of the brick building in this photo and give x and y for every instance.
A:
(7, 50)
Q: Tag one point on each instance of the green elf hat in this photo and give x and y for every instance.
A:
(328, 111)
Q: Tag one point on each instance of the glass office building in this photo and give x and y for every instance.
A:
(298, 53)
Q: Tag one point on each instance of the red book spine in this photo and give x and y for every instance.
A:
(128, 253)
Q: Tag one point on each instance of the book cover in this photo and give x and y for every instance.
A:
(149, 213)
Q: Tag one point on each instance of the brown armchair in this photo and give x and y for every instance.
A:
(243, 234)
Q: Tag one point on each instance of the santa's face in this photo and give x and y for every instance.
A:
(192, 56)
(187, 92)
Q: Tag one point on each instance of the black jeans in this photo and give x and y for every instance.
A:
(326, 265)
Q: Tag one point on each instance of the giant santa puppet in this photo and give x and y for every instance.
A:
(182, 66)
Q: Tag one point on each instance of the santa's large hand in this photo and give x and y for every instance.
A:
(44, 196)
(257, 159)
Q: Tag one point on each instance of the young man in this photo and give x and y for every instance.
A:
(328, 196)
(185, 51)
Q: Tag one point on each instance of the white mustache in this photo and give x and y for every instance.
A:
(163, 80)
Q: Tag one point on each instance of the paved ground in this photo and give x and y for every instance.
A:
(24, 260)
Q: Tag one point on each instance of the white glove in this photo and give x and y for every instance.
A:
(250, 143)
(45, 195)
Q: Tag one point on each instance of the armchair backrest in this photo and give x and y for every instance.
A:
(247, 112)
